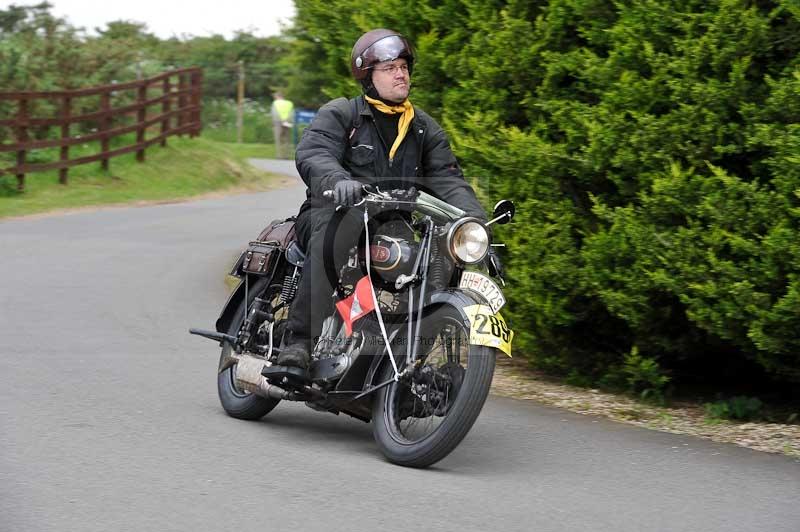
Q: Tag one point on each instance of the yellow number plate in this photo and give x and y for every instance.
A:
(489, 328)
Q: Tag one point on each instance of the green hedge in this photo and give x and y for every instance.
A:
(653, 148)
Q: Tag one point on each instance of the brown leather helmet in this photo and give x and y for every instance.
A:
(377, 46)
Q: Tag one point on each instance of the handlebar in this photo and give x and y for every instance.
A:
(368, 189)
(424, 202)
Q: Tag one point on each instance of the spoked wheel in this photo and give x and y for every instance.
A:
(239, 403)
(420, 420)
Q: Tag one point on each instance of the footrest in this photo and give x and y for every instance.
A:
(293, 375)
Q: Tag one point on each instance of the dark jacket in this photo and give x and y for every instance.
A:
(343, 142)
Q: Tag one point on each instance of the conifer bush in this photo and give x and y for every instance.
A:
(653, 150)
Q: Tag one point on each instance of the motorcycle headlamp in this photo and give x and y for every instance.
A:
(468, 241)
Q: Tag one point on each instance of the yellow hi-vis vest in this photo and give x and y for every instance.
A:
(284, 109)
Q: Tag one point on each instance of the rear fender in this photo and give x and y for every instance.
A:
(234, 300)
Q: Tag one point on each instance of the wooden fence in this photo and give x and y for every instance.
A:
(178, 93)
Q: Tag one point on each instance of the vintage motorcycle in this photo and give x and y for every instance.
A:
(412, 343)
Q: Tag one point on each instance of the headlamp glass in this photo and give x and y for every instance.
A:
(469, 241)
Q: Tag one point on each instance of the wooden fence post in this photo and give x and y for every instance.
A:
(22, 136)
(199, 101)
(141, 116)
(66, 112)
(165, 107)
(105, 125)
(195, 114)
(182, 101)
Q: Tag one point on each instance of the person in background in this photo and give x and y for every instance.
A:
(282, 121)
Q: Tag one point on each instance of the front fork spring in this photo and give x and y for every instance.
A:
(436, 273)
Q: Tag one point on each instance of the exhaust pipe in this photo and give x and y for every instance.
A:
(248, 377)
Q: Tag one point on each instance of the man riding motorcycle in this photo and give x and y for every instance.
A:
(378, 138)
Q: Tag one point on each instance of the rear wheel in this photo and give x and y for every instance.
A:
(239, 403)
(420, 420)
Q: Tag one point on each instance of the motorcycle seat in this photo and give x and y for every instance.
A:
(295, 254)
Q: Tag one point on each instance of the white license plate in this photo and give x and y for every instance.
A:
(484, 286)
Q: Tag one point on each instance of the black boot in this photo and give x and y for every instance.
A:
(291, 368)
(296, 355)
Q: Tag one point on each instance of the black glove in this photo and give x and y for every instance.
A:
(495, 264)
(346, 193)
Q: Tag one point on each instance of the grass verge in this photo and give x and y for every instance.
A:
(184, 168)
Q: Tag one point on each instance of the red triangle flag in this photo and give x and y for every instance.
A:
(358, 304)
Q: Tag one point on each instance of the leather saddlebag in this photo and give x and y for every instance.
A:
(261, 256)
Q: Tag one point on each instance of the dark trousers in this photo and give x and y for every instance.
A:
(327, 237)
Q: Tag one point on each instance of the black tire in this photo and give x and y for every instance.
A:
(401, 445)
(239, 403)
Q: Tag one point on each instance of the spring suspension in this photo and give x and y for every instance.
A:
(436, 273)
(289, 288)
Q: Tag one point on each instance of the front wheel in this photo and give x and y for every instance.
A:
(420, 420)
(239, 403)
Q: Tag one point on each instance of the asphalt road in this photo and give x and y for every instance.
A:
(109, 419)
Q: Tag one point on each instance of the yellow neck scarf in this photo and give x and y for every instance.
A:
(407, 111)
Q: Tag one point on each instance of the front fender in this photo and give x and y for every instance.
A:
(485, 327)
(469, 306)
(458, 299)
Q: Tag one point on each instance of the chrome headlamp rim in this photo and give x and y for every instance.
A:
(451, 239)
